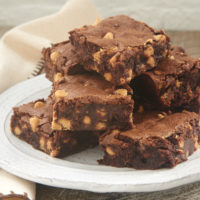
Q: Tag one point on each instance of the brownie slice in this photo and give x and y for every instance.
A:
(175, 83)
(32, 123)
(158, 141)
(62, 58)
(120, 47)
(88, 102)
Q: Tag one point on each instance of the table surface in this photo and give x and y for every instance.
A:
(190, 40)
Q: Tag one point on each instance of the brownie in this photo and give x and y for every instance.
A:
(32, 123)
(119, 48)
(174, 83)
(89, 102)
(62, 58)
(159, 140)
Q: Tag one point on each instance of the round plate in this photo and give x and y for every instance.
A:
(79, 171)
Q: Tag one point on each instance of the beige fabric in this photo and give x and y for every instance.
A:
(10, 184)
(20, 48)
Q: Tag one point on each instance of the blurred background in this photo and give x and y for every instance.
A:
(182, 16)
(167, 14)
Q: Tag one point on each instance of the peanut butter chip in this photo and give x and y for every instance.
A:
(65, 123)
(122, 92)
(122, 81)
(157, 72)
(42, 143)
(56, 126)
(97, 21)
(149, 51)
(110, 151)
(187, 153)
(87, 120)
(131, 117)
(49, 144)
(94, 67)
(66, 140)
(160, 37)
(113, 60)
(165, 95)
(181, 144)
(57, 77)
(143, 67)
(108, 76)
(102, 112)
(151, 61)
(108, 35)
(100, 126)
(54, 153)
(161, 116)
(54, 56)
(165, 52)
(34, 122)
(149, 41)
(178, 83)
(180, 151)
(17, 130)
(196, 144)
(190, 127)
(115, 131)
(130, 73)
(97, 56)
(60, 94)
(39, 104)
(190, 93)
(198, 90)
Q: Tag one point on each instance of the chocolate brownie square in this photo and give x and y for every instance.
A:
(61, 58)
(174, 83)
(119, 48)
(88, 102)
(32, 123)
(157, 141)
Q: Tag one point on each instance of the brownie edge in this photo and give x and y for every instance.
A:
(119, 48)
(158, 141)
(32, 123)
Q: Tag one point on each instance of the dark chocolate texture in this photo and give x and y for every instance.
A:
(88, 102)
(61, 58)
(174, 83)
(158, 141)
(32, 123)
(119, 48)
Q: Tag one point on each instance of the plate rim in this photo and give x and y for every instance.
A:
(93, 184)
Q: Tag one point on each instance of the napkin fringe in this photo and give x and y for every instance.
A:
(38, 69)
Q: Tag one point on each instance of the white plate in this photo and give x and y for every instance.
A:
(81, 170)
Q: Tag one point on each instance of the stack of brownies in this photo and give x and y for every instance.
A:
(120, 84)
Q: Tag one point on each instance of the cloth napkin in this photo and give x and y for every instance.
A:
(20, 52)
(20, 48)
(12, 186)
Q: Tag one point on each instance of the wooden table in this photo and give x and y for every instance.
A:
(191, 42)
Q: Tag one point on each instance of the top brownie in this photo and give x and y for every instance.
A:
(119, 48)
(62, 58)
